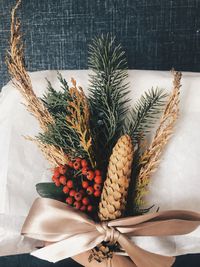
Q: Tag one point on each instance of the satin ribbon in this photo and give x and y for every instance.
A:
(72, 233)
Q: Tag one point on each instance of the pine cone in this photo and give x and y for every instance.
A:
(115, 190)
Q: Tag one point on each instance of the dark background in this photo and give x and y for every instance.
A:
(156, 34)
(29, 261)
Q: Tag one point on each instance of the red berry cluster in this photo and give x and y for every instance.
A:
(81, 184)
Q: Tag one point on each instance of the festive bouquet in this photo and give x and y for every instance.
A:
(101, 161)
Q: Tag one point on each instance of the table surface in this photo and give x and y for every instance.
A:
(26, 260)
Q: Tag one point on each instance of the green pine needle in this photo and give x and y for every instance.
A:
(108, 93)
(145, 114)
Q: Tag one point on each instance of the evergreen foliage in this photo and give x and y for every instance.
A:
(108, 93)
(55, 101)
(145, 113)
(108, 106)
(60, 133)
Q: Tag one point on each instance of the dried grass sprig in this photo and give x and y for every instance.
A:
(150, 158)
(16, 66)
(20, 78)
(51, 153)
(78, 119)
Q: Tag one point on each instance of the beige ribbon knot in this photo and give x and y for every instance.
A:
(72, 233)
(110, 233)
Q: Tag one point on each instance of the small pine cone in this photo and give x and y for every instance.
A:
(100, 253)
(115, 190)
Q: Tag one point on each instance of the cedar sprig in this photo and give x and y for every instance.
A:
(151, 157)
(20, 78)
(79, 119)
(108, 96)
(55, 101)
(145, 113)
(60, 133)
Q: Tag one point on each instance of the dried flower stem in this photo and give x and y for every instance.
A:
(21, 79)
(78, 119)
(150, 158)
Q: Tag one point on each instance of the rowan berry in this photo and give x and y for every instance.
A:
(97, 172)
(56, 172)
(54, 178)
(70, 183)
(97, 187)
(85, 184)
(98, 179)
(85, 170)
(84, 163)
(90, 208)
(70, 164)
(72, 193)
(90, 175)
(97, 193)
(57, 182)
(76, 165)
(69, 200)
(90, 190)
(77, 205)
(78, 196)
(63, 180)
(62, 169)
(65, 189)
(85, 201)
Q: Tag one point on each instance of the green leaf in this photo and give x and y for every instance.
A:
(50, 190)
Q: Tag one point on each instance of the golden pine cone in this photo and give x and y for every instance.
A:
(115, 190)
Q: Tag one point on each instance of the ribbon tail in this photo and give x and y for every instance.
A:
(143, 258)
(68, 247)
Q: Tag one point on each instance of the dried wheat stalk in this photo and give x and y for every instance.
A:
(21, 80)
(51, 153)
(151, 156)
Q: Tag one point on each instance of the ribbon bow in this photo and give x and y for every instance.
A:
(72, 233)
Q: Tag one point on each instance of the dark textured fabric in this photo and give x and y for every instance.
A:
(156, 34)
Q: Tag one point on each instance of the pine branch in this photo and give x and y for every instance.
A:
(150, 159)
(108, 94)
(145, 113)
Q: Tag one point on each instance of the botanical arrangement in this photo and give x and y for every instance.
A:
(97, 144)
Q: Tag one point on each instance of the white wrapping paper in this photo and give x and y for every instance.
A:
(176, 184)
